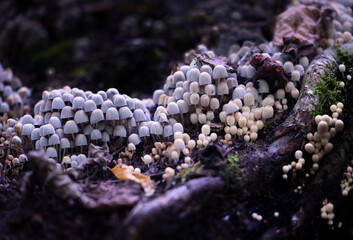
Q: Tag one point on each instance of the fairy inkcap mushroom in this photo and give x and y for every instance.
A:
(193, 75)
(219, 72)
(96, 116)
(58, 103)
(78, 103)
(70, 127)
(120, 131)
(55, 122)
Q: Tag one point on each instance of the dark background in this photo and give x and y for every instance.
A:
(127, 44)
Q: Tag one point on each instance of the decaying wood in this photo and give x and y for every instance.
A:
(173, 206)
(48, 174)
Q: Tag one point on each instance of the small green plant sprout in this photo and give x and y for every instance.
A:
(186, 173)
(231, 169)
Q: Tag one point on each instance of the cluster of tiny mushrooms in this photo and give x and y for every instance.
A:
(195, 96)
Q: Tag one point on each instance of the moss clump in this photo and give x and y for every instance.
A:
(328, 92)
(186, 173)
(231, 169)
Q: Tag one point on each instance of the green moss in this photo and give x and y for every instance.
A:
(231, 169)
(185, 173)
(328, 92)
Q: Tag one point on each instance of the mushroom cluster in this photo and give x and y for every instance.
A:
(327, 127)
(201, 94)
(66, 120)
(347, 181)
(13, 96)
(327, 212)
(341, 31)
(318, 144)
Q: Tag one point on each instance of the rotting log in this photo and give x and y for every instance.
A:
(172, 208)
(264, 167)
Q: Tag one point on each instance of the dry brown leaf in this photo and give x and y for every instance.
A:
(124, 172)
(300, 28)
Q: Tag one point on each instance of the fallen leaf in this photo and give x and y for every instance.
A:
(301, 27)
(124, 172)
(216, 60)
(269, 70)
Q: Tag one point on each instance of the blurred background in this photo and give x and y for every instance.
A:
(127, 44)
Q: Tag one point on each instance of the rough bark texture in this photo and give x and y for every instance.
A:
(174, 208)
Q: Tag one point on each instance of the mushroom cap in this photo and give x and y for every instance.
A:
(267, 112)
(134, 138)
(178, 127)
(120, 131)
(194, 87)
(112, 114)
(222, 88)
(38, 120)
(179, 144)
(219, 71)
(156, 128)
(205, 78)
(70, 127)
(238, 92)
(183, 106)
(178, 76)
(45, 130)
(43, 141)
(105, 137)
(78, 103)
(185, 69)
(106, 105)
(67, 112)
(230, 108)
(51, 152)
(55, 122)
(214, 103)
(162, 118)
(53, 140)
(232, 82)
(131, 147)
(156, 95)
(54, 94)
(173, 108)
(111, 92)
(178, 93)
(27, 129)
(210, 90)
(131, 103)
(89, 106)
(194, 98)
(139, 115)
(144, 131)
(81, 117)
(27, 119)
(64, 143)
(96, 134)
(249, 99)
(81, 140)
(97, 99)
(119, 101)
(193, 75)
(263, 86)
(206, 68)
(35, 134)
(167, 131)
(96, 116)
(58, 103)
(124, 113)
